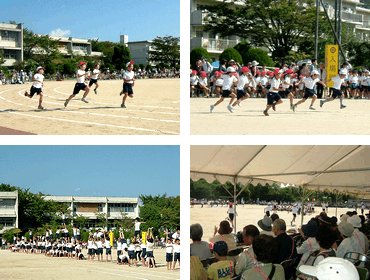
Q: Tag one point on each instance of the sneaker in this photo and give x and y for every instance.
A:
(212, 107)
(230, 108)
(26, 93)
(66, 103)
(265, 113)
(343, 106)
(321, 103)
(123, 105)
(312, 108)
(121, 92)
(84, 100)
(96, 92)
(294, 107)
(40, 107)
(274, 107)
(291, 106)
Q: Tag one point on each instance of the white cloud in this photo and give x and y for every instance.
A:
(60, 33)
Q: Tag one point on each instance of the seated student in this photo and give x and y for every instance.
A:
(199, 248)
(223, 268)
(197, 271)
(265, 250)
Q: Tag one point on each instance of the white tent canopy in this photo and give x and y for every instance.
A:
(334, 167)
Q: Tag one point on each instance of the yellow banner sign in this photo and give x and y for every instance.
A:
(331, 62)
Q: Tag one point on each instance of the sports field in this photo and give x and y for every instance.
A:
(38, 266)
(154, 110)
(249, 214)
(250, 120)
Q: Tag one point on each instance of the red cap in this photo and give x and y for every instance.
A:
(81, 63)
(301, 77)
(258, 72)
(221, 73)
(263, 73)
(288, 71)
(276, 72)
(194, 72)
(217, 73)
(245, 69)
(203, 74)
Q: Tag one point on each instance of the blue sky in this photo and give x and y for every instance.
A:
(104, 19)
(92, 170)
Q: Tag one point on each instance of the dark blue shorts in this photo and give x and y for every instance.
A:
(92, 81)
(240, 93)
(128, 88)
(149, 254)
(308, 93)
(76, 90)
(271, 97)
(284, 93)
(177, 257)
(132, 255)
(118, 252)
(35, 90)
(231, 217)
(226, 93)
(143, 253)
(353, 86)
(169, 257)
(99, 251)
(336, 93)
(90, 251)
(108, 251)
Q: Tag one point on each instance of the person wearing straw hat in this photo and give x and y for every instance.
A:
(338, 82)
(331, 268)
(265, 225)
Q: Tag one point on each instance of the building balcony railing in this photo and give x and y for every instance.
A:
(213, 44)
(350, 17)
(365, 24)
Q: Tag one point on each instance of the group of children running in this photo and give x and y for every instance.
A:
(82, 76)
(238, 85)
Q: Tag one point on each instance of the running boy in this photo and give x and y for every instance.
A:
(128, 83)
(338, 81)
(94, 78)
(309, 90)
(37, 85)
(80, 85)
(229, 80)
(243, 81)
(273, 97)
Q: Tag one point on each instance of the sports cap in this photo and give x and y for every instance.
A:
(245, 69)
(81, 63)
(315, 72)
(230, 69)
(203, 74)
(129, 63)
(343, 72)
(38, 68)
(288, 71)
(194, 72)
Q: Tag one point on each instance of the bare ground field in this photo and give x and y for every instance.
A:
(38, 266)
(154, 110)
(250, 120)
(249, 214)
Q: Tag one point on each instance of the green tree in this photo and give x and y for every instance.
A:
(166, 50)
(121, 54)
(102, 219)
(231, 53)
(68, 68)
(197, 53)
(275, 24)
(359, 52)
(142, 66)
(50, 68)
(80, 221)
(259, 55)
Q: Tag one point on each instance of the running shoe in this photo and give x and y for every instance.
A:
(321, 103)
(96, 92)
(26, 93)
(123, 105)
(40, 107)
(66, 103)
(121, 92)
(294, 107)
(343, 106)
(230, 108)
(274, 106)
(265, 113)
(312, 108)
(84, 100)
(212, 107)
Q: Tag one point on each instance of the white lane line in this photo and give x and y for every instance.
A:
(91, 123)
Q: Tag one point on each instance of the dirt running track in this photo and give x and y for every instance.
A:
(249, 119)
(154, 110)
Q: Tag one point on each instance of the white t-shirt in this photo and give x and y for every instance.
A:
(119, 246)
(194, 80)
(228, 81)
(243, 80)
(354, 79)
(286, 80)
(176, 248)
(80, 80)
(137, 226)
(149, 246)
(129, 76)
(169, 248)
(263, 81)
(131, 247)
(107, 243)
(219, 82)
(268, 208)
(95, 74)
(275, 84)
(100, 244)
(203, 81)
(295, 209)
(337, 83)
(309, 83)
(40, 78)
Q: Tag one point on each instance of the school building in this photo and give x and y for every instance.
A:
(88, 206)
(8, 210)
(11, 42)
(354, 15)
(139, 50)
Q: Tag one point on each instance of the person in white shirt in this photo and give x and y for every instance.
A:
(108, 250)
(229, 81)
(37, 86)
(169, 252)
(268, 209)
(94, 78)
(176, 250)
(338, 82)
(244, 81)
(294, 212)
(193, 81)
(273, 97)
(286, 84)
(80, 85)
(149, 247)
(128, 83)
(202, 84)
(310, 245)
(309, 90)
(99, 250)
(137, 227)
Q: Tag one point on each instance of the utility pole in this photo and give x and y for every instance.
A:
(317, 28)
(335, 21)
(339, 27)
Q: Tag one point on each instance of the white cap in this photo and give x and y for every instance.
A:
(343, 72)
(315, 72)
(38, 68)
(230, 69)
(332, 268)
(355, 220)
(254, 63)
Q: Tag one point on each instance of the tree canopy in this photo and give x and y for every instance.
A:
(165, 50)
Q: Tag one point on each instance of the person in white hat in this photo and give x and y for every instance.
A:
(309, 90)
(37, 85)
(338, 81)
(80, 84)
(128, 83)
(230, 80)
(332, 268)
(355, 220)
(350, 243)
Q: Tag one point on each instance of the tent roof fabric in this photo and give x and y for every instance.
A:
(334, 167)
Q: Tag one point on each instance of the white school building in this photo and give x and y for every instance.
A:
(8, 210)
(11, 42)
(88, 206)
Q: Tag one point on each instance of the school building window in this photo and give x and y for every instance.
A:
(81, 47)
(118, 207)
(7, 222)
(9, 36)
(7, 204)
(10, 54)
(100, 207)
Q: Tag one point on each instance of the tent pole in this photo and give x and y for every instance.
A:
(302, 207)
(336, 203)
(235, 205)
